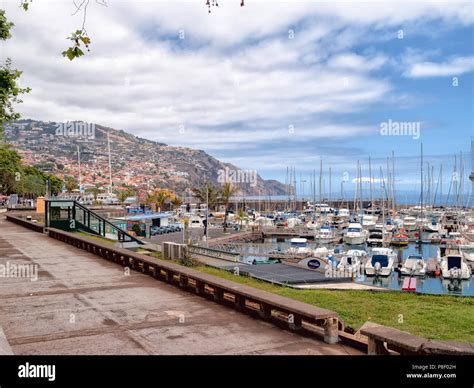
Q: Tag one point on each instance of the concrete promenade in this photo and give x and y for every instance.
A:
(82, 304)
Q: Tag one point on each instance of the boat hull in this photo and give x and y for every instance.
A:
(354, 240)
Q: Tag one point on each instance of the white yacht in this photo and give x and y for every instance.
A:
(467, 252)
(299, 245)
(369, 221)
(355, 234)
(409, 224)
(414, 265)
(325, 235)
(453, 267)
(431, 227)
(381, 262)
(351, 262)
(343, 213)
(375, 238)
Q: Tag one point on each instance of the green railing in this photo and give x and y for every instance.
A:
(70, 215)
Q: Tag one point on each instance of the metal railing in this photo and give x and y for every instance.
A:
(214, 253)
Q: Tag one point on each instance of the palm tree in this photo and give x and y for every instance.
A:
(149, 199)
(176, 201)
(207, 193)
(241, 216)
(160, 198)
(70, 183)
(124, 194)
(227, 192)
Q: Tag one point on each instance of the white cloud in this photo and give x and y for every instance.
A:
(237, 79)
(453, 67)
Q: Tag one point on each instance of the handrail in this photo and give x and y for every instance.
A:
(244, 298)
(109, 223)
(119, 231)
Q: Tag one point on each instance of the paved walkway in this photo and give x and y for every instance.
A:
(82, 304)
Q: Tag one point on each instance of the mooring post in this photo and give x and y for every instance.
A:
(331, 335)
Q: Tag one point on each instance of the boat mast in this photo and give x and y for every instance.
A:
(382, 186)
(432, 184)
(389, 180)
(110, 165)
(294, 185)
(461, 173)
(421, 173)
(428, 183)
(455, 184)
(356, 192)
(320, 180)
(371, 193)
(314, 192)
(393, 183)
(360, 186)
(441, 183)
(330, 184)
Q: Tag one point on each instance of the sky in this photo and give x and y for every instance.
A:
(264, 86)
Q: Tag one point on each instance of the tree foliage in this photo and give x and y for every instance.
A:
(80, 36)
(70, 183)
(10, 93)
(227, 192)
(10, 90)
(27, 181)
(207, 193)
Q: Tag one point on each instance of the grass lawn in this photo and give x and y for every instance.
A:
(429, 316)
(98, 238)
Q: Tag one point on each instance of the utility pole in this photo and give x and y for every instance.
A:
(79, 163)
(207, 215)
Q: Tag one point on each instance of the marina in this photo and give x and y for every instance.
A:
(427, 283)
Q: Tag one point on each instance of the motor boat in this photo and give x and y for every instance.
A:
(355, 234)
(409, 224)
(343, 213)
(375, 238)
(299, 245)
(325, 235)
(431, 227)
(351, 262)
(467, 252)
(453, 267)
(414, 265)
(381, 262)
(368, 221)
(400, 239)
